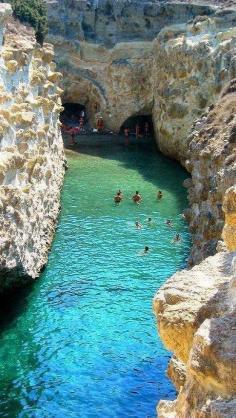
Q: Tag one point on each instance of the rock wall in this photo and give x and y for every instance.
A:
(196, 308)
(169, 59)
(212, 162)
(31, 152)
(192, 63)
(105, 51)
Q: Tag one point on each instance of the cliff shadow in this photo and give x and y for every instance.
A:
(13, 304)
(115, 147)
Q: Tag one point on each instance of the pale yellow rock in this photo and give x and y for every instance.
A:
(24, 118)
(205, 348)
(37, 77)
(54, 76)
(12, 66)
(229, 207)
(46, 104)
(31, 166)
(5, 97)
(48, 53)
(7, 54)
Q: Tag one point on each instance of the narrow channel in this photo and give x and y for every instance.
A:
(82, 342)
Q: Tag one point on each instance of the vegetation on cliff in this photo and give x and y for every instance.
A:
(33, 12)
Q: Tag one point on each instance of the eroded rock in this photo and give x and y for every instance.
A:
(31, 158)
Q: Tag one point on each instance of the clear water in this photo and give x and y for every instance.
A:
(82, 342)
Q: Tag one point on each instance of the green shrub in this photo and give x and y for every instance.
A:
(33, 12)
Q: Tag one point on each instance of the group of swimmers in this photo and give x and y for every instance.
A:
(137, 199)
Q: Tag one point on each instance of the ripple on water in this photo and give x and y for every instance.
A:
(84, 342)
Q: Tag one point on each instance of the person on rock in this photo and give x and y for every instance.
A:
(81, 122)
(100, 124)
(126, 132)
(72, 133)
(137, 198)
(146, 129)
(137, 131)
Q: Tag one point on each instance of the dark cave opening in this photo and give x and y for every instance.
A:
(138, 125)
(72, 113)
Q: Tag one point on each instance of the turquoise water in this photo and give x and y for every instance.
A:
(82, 342)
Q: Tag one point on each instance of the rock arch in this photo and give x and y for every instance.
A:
(85, 92)
(141, 119)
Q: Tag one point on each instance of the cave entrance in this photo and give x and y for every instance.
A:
(139, 126)
(72, 113)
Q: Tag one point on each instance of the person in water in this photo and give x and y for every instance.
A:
(138, 225)
(177, 238)
(145, 251)
(169, 223)
(121, 194)
(118, 198)
(159, 195)
(150, 222)
(137, 198)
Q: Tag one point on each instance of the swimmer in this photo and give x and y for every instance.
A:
(145, 251)
(138, 225)
(137, 198)
(149, 221)
(159, 195)
(177, 238)
(169, 223)
(121, 194)
(117, 198)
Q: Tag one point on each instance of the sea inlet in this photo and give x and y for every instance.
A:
(82, 341)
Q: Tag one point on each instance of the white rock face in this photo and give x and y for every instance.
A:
(31, 153)
(197, 323)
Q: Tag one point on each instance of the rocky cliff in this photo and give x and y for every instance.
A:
(167, 59)
(31, 152)
(196, 308)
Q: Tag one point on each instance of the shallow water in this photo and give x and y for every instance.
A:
(82, 342)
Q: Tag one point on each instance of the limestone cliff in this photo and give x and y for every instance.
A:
(196, 308)
(212, 162)
(168, 59)
(31, 152)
